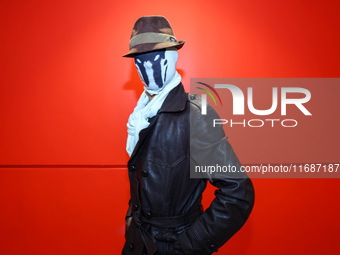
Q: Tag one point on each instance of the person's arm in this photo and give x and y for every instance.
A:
(234, 197)
(224, 217)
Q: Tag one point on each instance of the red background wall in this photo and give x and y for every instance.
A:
(66, 94)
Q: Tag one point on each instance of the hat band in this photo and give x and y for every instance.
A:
(151, 38)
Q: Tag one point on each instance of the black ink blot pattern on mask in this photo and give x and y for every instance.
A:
(143, 72)
(166, 69)
(156, 66)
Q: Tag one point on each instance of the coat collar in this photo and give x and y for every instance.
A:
(175, 101)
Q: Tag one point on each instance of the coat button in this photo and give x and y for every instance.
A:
(135, 207)
(148, 215)
(212, 247)
(131, 246)
(132, 168)
(192, 97)
(145, 173)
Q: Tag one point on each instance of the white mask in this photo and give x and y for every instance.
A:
(156, 69)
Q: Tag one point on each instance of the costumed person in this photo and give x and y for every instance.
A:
(165, 215)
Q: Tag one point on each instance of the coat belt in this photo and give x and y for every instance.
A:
(163, 222)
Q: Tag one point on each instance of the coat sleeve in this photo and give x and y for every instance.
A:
(234, 197)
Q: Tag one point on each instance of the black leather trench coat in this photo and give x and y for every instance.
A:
(165, 204)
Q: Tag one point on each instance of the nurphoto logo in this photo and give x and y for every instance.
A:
(281, 98)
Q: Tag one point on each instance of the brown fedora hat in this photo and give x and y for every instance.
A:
(152, 33)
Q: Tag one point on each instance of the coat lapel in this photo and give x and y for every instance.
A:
(174, 102)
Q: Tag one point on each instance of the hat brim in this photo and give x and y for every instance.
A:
(146, 47)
